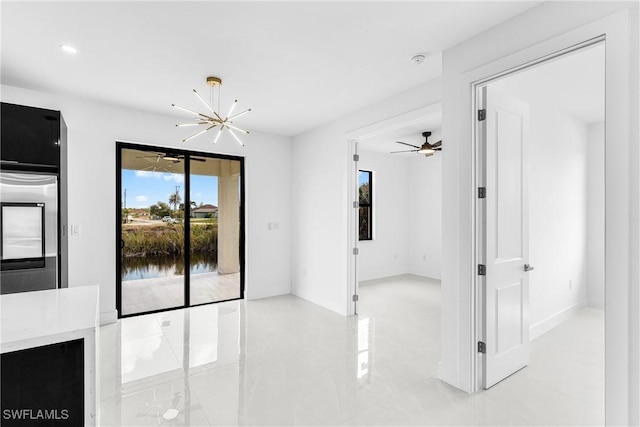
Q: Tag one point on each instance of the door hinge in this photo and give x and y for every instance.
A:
(354, 298)
(482, 192)
(482, 347)
(356, 157)
(356, 205)
(355, 251)
(482, 270)
(482, 115)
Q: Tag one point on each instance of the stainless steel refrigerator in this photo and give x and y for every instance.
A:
(29, 246)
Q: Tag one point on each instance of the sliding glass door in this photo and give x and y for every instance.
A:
(215, 225)
(178, 209)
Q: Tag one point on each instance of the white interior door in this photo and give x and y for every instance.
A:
(506, 326)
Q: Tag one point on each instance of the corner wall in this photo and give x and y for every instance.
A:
(93, 130)
(321, 164)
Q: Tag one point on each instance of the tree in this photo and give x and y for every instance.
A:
(160, 209)
(175, 199)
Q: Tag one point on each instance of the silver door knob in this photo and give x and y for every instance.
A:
(527, 267)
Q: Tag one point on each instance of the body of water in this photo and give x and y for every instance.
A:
(136, 268)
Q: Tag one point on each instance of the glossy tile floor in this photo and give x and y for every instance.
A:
(285, 361)
(143, 295)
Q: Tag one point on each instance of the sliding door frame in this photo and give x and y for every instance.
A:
(120, 145)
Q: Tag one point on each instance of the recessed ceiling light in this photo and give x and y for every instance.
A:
(418, 58)
(170, 414)
(68, 49)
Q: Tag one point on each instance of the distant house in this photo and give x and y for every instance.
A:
(205, 211)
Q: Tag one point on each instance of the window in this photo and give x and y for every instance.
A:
(365, 203)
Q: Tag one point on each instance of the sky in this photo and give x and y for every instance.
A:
(363, 178)
(145, 188)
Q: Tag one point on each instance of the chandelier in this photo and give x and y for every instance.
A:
(213, 119)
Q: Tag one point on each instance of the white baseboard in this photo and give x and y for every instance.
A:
(552, 321)
(107, 317)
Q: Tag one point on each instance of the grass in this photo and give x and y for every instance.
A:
(168, 239)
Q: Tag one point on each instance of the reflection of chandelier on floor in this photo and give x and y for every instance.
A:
(213, 119)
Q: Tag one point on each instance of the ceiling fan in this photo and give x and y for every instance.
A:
(427, 149)
(155, 165)
(155, 158)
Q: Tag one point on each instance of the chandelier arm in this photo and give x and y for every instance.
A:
(236, 128)
(240, 114)
(233, 106)
(193, 112)
(235, 136)
(206, 104)
(215, 140)
(199, 133)
(219, 118)
(191, 124)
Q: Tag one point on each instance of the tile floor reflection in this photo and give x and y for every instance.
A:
(285, 361)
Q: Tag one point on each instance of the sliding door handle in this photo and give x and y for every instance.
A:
(527, 267)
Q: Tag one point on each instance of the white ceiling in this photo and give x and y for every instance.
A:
(297, 64)
(573, 83)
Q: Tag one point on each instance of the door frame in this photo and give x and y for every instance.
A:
(120, 145)
(621, 235)
(353, 139)
(480, 147)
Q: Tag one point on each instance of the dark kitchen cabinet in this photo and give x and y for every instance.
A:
(33, 141)
(30, 138)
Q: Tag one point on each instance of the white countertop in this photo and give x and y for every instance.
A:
(37, 318)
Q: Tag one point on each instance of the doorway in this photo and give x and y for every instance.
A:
(180, 229)
(394, 226)
(540, 212)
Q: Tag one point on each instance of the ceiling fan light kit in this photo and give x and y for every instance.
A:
(427, 149)
(213, 119)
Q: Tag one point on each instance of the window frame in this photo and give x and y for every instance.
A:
(368, 206)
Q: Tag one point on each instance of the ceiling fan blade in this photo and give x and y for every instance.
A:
(403, 151)
(437, 144)
(438, 149)
(410, 145)
(198, 159)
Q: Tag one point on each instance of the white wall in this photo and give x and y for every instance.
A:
(531, 35)
(560, 202)
(425, 215)
(566, 206)
(319, 198)
(595, 216)
(557, 216)
(388, 253)
(93, 130)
